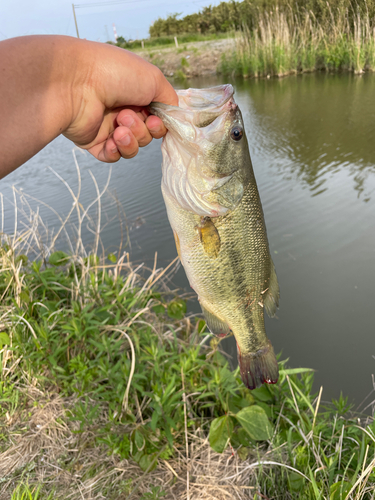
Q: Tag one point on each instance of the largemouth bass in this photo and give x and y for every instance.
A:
(216, 215)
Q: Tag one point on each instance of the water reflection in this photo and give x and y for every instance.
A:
(316, 126)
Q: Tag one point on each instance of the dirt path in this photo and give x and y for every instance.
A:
(189, 59)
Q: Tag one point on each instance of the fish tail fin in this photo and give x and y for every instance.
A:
(258, 367)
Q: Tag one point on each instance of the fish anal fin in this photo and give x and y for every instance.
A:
(216, 326)
(271, 294)
(209, 237)
(258, 367)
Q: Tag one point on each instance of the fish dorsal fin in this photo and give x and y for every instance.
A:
(272, 294)
(216, 326)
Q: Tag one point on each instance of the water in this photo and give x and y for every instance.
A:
(313, 150)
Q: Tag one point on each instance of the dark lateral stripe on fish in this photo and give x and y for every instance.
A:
(259, 367)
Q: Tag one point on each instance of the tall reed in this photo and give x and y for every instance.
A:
(285, 42)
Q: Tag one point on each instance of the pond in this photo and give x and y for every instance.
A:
(312, 144)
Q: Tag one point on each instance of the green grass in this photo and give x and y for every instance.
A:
(285, 43)
(109, 389)
(24, 492)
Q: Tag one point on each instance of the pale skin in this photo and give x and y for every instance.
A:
(93, 93)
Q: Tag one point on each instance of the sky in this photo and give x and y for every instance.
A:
(132, 18)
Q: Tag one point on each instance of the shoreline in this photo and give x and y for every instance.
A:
(189, 60)
(203, 59)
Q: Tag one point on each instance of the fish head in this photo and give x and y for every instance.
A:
(206, 158)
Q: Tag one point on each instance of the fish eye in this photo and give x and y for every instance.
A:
(236, 133)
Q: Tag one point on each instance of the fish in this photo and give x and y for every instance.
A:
(215, 212)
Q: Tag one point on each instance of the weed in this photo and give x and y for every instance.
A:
(180, 75)
(286, 42)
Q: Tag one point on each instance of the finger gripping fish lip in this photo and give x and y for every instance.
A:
(258, 367)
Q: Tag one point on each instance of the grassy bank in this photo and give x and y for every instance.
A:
(168, 41)
(108, 389)
(286, 42)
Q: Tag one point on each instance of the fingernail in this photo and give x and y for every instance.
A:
(125, 140)
(114, 150)
(127, 121)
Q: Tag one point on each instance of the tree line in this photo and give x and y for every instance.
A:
(234, 14)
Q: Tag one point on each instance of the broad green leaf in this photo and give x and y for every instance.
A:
(296, 481)
(176, 309)
(22, 258)
(220, 431)
(25, 297)
(255, 422)
(243, 453)
(154, 420)
(112, 258)
(159, 309)
(58, 258)
(262, 393)
(339, 491)
(148, 462)
(4, 339)
(139, 440)
(202, 327)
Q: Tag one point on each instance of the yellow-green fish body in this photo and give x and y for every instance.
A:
(215, 212)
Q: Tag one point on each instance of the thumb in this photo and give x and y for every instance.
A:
(164, 92)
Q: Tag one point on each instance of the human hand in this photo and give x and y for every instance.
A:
(93, 93)
(112, 120)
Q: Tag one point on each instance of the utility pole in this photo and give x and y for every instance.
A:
(75, 19)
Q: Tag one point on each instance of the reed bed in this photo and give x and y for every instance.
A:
(110, 390)
(285, 42)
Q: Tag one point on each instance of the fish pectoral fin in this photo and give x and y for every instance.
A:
(216, 325)
(209, 237)
(272, 294)
(258, 367)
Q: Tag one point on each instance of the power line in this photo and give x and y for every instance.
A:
(103, 4)
(117, 2)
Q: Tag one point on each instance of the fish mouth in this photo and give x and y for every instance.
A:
(214, 97)
(197, 107)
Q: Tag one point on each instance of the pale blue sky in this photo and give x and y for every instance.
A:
(132, 19)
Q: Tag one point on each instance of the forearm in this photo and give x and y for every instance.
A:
(37, 78)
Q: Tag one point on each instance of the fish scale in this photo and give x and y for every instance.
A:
(226, 257)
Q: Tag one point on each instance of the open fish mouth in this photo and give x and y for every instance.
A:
(200, 109)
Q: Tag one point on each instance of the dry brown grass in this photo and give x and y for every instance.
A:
(43, 446)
